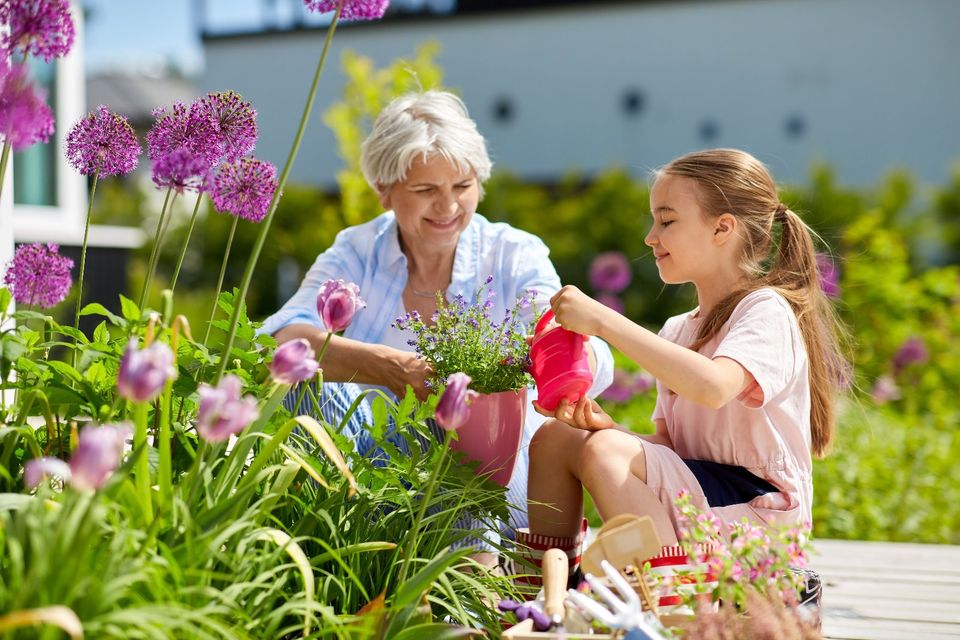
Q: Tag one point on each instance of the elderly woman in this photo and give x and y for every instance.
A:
(427, 163)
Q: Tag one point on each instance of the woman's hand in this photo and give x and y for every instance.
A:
(403, 368)
(586, 414)
(576, 311)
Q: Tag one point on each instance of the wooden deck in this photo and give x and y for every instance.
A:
(889, 591)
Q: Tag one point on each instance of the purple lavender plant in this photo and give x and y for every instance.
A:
(181, 170)
(244, 188)
(236, 122)
(194, 128)
(352, 9)
(25, 118)
(38, 275)
(464, 338)
(43, 28)
(103, 143)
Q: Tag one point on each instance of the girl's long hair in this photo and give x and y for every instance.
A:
(733, 181)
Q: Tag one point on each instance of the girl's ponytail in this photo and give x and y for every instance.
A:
(733, 181)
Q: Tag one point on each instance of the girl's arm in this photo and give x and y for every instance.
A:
(709, 382)
(349, 360)
(660, 436)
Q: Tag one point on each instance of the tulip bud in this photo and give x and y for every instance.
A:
(453, 409)
(222, 412)
(39, 468)
(143, 372)
(98, 454)
(337, 302)
(294, 361)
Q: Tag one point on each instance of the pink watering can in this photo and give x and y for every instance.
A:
(559, 364)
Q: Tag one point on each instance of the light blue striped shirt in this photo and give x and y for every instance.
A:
(369, 254)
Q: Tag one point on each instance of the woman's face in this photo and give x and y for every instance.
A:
(434, 203)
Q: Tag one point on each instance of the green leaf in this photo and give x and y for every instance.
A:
(410, 592)
(5, 298)
(129, 309)
(436, 631)
(97, 309)
(101, 334)
(64, 369)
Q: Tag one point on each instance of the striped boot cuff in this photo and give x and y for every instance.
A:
(532, 546)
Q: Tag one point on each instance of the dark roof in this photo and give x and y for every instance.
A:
(135, 95)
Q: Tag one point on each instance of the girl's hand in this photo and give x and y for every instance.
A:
(586, 414)
(576, 311)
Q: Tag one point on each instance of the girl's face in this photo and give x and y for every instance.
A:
(434, 203)
(681, 236)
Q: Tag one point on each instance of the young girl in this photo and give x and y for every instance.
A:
(745, 382)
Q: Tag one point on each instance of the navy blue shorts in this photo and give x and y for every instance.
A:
(727, 484)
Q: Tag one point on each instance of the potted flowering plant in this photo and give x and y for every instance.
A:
(463, 337)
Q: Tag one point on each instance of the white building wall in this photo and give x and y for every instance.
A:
(874, 82)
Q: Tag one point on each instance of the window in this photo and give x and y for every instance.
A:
(35, 168)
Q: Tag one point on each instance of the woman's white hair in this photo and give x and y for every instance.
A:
(417, 125)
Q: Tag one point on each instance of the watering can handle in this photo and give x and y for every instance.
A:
(544, 321)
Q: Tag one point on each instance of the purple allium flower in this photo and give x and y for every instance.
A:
(884, 390)
(222, 412)
(181, 170)
(337, 302)
(39, 468)
(912, 351)
(236, 122)
(98, 453)
(613, 301)
(453, 408)
(643, 382)
(103, 141)
(194, 128)
(25, 118)
(38, 275)
(143, 372)
(610, 272)
(829, 275)
(352, 9)
(42, 28)
(244, 188)
(621, 389)
(294, 361)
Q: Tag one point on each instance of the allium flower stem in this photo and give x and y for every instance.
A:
(265, 225)
(223, 271)
(83, 257)
(183, 249)
(164, 461)
(4, 158)
(142, 466)
(154, 253)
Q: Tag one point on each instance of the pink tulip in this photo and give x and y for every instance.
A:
(453, 409)
(337, 302)
(143, 372)
(222, 411)
(39, 468)
(293, 362)
(98, 454)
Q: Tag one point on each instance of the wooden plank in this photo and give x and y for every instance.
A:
(893, 609)
(847, 629)
(935, 558)
(907, 592)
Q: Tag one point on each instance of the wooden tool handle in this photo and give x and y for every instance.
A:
(554, 583)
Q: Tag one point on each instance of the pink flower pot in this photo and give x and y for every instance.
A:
(492, 433)
(560, 365)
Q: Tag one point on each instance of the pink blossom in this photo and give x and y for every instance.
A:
(25, 118)
(35, 470)
(144, 372)
(337, 302)
(98, 453)
(453, 408)
(293, 362)
(610, 272)
(222, 412)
